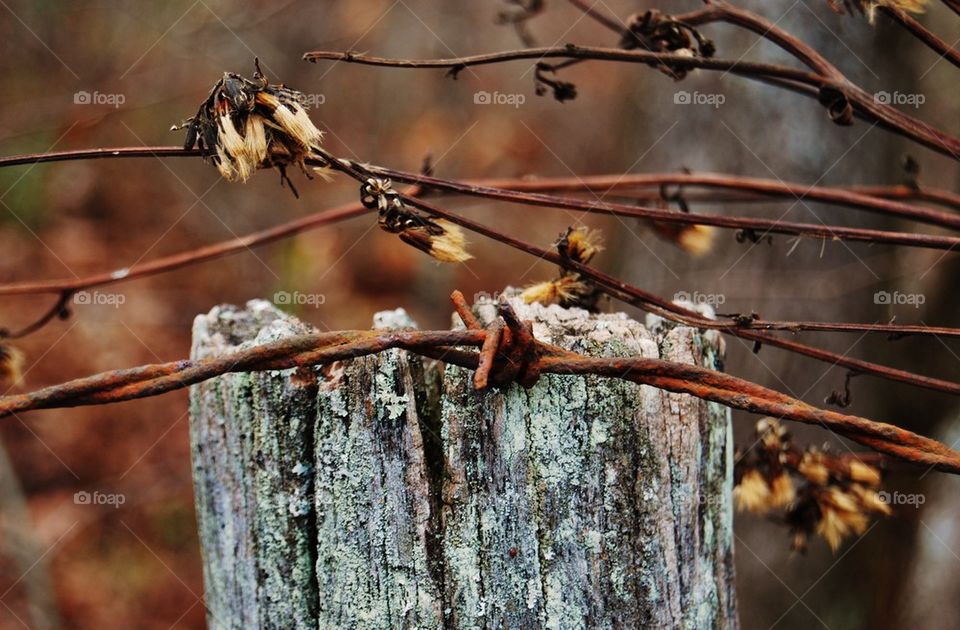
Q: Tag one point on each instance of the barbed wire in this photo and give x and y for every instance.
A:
(508, 353)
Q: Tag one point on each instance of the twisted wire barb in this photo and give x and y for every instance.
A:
(508, 353)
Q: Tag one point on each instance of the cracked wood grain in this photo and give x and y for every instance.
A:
(386, 492)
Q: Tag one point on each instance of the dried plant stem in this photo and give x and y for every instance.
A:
(872, 200)
(738, 223)
(919, 31)
(859, 99)
(191, 257)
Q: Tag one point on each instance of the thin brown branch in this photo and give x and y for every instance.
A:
(720, 11)
(872, 198)
(873, 201)
(812, 230)
(859, 99)
(591, 10)
(188, 258)
(918, 30)
(570, 51)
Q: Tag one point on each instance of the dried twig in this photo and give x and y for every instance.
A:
(841, 97)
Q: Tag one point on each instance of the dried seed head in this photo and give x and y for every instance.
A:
(841, 515)
(446, 243)
(782, 492)
(255, 140)
(541, 292)
(236, 163)
(818, 492)
(565, 289)
(752, 493)
(11, 366)
(869, 7)
(570, 289)
(813, 468)
(870, 500)
(581, 244)
(450, 245)
(696, 240)
(772, 433)
(247, 125)
(863, 473)
(292, 119)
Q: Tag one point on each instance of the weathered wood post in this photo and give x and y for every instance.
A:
(385, 492)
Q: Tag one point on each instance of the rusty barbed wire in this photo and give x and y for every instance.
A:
(508, 352)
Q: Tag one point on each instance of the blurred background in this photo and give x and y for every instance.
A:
(108, 73)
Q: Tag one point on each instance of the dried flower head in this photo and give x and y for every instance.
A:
(245, 125)
(11, 366)
(563, 290)
(696, 240)
(869, 7)
(816, 493)
(570, 289)
(440, 239)
(580, 244)
(813, 466)
(752, 492)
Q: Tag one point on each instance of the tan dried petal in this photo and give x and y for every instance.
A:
(812, 467)
(11, 366)
(449, 246)
(583, 244)
(863, 473)
(294, 121)
(782, 492)
(752, 493)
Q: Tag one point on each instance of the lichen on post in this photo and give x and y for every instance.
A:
(409, 499)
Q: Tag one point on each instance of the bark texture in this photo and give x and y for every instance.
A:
(385, 493)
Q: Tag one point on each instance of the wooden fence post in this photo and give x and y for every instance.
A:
(385, 492)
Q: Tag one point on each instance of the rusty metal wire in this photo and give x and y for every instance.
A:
(508, 353)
